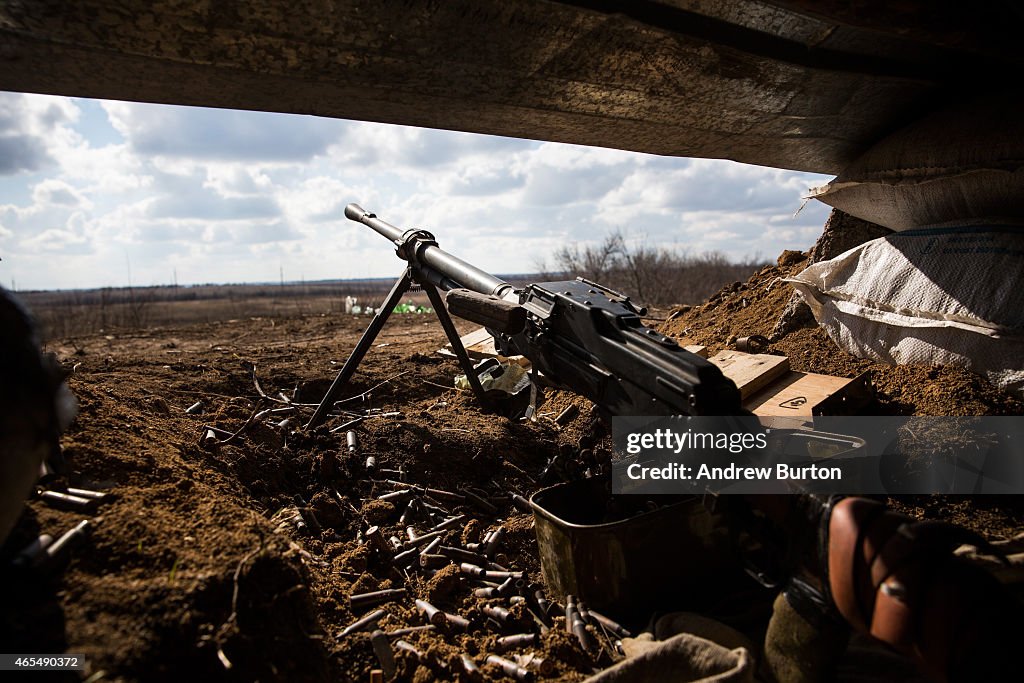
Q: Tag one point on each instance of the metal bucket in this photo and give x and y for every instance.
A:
(677, 556)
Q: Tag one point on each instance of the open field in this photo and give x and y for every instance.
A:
(73, 313)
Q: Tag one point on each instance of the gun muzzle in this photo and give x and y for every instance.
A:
(421, 251)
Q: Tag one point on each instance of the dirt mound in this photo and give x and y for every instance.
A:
(756, 307)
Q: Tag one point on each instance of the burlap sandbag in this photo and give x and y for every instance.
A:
(961, 164)
(690, 648)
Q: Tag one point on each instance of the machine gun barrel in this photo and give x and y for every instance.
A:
(419, 248)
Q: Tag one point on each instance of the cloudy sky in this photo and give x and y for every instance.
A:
(100, 193)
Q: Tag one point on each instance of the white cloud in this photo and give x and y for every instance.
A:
(234, 196)
(221, 134)
(28, 125)
(53, 192)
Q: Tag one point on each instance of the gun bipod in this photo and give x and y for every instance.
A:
(394, 297)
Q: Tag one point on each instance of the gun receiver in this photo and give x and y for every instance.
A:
(577, 334)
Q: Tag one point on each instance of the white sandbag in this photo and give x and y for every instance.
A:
(963, 164)
(951, 296)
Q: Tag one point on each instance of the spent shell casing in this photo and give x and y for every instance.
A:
(510, 668)
(494, 541)
(396, 496)
(482, 503)
(501, 575)
(469, 666)
(462, 555)
(486, 593)
(543, 625)
(371, 462)
(506, 643)
(575, 625)
(362, 601)
(570, 612)
(567, 415)
(195, 408)
(410, 511)
(533, 662)
(581, 607)
(521, 503)
(406, 557)
(471, 569)
(209, 439)
(434, 561)
(431, 613)
(352, 440)
(446, 495)
(363, 623)
(424, 539)
(87, 493)
(432, 508)
(385, 655)
(64, 501)
(456, 622)
(543, 607)
(32, 554)
(512, 586)
(398, 633)
(431, 548)
(377, 541)
(613, 626)
(437, 493)
(449, 523)
(498, 613)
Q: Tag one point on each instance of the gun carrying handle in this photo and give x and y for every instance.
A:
(490, 311)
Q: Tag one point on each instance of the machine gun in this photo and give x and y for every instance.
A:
(861, 566)
(577, 335)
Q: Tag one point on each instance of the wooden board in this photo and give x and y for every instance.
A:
(750, 371)
(479, 345)
(803, 394)
(701, 351)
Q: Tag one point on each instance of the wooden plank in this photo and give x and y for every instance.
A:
(750, 371)
(806, 394)
(479, 345)
(701, 351)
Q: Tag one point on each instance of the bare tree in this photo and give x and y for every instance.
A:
(652, 275)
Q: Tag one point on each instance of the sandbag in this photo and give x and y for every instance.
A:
(964, 164)
(684, 648)
(951, 296)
